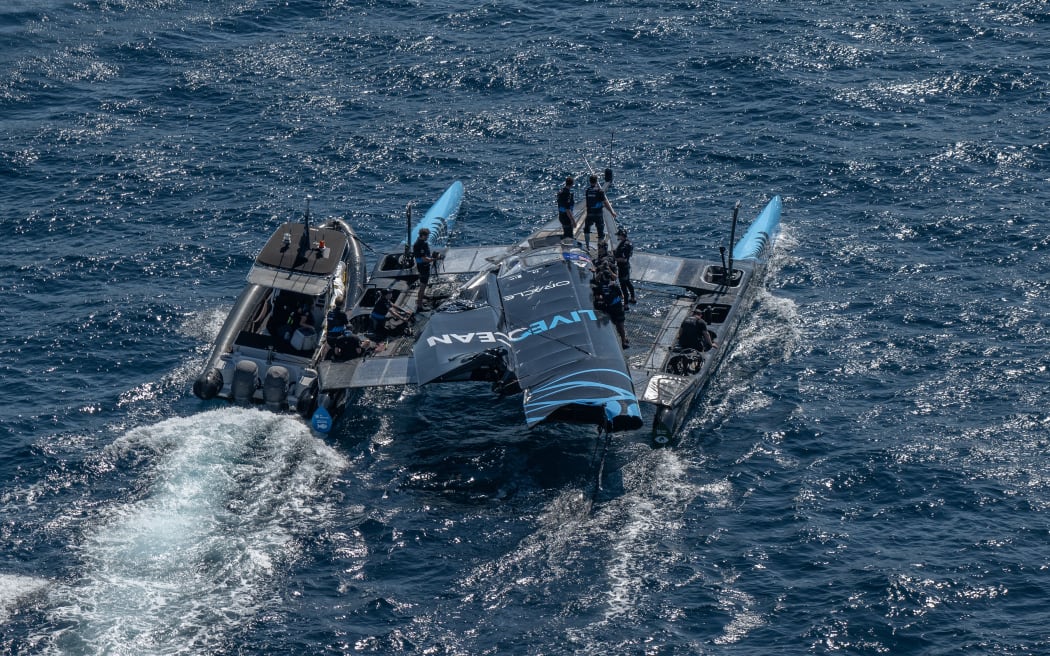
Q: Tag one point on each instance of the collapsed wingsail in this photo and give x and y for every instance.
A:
(567, 356)
(536, 320)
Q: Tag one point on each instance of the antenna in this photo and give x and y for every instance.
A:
(406, 262)
(732, 238)
(304, 241)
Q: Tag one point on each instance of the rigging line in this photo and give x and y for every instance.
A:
(656, 290)
(361, 241)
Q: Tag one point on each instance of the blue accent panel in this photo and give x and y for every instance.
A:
(761, 234)
(579, 388)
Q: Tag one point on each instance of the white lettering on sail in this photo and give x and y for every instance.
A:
(516, 335)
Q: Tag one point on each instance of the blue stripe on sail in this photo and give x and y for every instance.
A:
(589, 392)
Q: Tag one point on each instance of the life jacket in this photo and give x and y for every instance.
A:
(420, 251)
(380, 309)
(595, 200)
(337, 322)
(566, 201)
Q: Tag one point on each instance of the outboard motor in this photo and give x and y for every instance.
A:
(208, 384)
(245, 380)
(275, 388)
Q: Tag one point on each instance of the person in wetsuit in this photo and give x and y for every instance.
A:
(423, 258)
(566, 201)
(695, 334)
(596, 202)
(381, 311)
(624, 251)
(346, 346)
(612, 299)
(337, 320)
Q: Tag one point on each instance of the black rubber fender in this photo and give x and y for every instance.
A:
(208, 384)
(307, 401)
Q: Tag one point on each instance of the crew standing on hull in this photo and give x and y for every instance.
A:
(624, 251)
(421, 253)
(596, 201)
(613, 304)
(566, 201)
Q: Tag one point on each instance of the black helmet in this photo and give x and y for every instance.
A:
(621, 231)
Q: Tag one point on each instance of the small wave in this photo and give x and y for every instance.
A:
(554, 545)
(14, 590)
(740, 607)
(229, 498)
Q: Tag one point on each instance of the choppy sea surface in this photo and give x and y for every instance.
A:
(867, 475)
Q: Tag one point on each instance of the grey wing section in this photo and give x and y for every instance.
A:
(367, 372)
(470, 260)
(454, 345)
(669, 270)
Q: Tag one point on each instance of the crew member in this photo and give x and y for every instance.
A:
(347, 346)
(337, 320)
(300, 319)
(381, 311)
(624, 251)
(423, 257)
(695, 334)
(613, 300)
(596, 201)
(566, 201)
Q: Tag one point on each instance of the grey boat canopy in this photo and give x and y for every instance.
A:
(290, 262)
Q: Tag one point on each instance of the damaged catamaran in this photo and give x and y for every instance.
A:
(525, 317)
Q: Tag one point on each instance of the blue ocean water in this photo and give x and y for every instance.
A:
(867, 475)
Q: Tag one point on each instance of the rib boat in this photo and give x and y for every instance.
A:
(271, 343)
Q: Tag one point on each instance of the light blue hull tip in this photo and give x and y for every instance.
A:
(760, 236)
(441, 216)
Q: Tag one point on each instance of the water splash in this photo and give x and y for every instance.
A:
(225, 503)
(15, 590)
